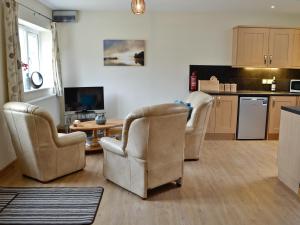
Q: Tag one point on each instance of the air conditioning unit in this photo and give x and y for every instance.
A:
(61, 16)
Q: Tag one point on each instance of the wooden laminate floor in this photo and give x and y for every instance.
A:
(234, 182)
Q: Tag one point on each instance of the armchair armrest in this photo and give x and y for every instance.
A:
(112, 145)
(70, 139)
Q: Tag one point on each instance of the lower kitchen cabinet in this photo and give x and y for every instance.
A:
(275, 104)
(298, 101)
(223, 117)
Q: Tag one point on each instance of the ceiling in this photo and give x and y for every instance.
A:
(282, 6)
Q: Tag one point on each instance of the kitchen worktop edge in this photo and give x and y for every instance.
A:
(253, 93)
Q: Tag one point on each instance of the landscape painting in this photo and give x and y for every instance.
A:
(124, 52)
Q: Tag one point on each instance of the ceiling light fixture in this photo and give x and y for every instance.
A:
(138, 6)
(273, 6)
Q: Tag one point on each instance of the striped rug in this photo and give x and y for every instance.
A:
(76, 206)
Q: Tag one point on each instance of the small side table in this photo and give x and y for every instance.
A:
(92, 126)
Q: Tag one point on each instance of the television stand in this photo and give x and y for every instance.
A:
(86, 115)
(85, 112)
(83, 116)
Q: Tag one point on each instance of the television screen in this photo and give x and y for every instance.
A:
(84, 99)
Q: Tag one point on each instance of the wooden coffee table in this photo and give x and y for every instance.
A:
(94, 145)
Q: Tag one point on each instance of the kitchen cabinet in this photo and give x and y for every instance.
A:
(250, 47)
(298, 101)
(223, 117)
(263, 47)
(275, 104)
(281, 47)
(296, 49)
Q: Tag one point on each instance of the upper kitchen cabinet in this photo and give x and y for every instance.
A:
(250, 47)
(296, 49)
(281, 48)
(263, 47)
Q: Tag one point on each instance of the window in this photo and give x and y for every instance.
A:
(29, 41)
(36, 54)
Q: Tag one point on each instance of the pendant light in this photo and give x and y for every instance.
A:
(138, 6)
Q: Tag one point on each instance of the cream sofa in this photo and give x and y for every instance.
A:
(151, 151)
(196, 126)
(43, 154)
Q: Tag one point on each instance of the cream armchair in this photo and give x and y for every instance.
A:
(42, 152)
(151, 151)
(196, 126)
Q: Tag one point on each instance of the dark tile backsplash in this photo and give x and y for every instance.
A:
(247, 79)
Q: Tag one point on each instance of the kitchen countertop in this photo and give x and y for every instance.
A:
(292, 109)
(252, 93)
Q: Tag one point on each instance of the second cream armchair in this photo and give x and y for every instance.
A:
(151, 152)
(197, 124)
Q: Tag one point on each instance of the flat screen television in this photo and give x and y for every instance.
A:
(82, 99)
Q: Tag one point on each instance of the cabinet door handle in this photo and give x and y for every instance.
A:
(271, 57)
(265, 59)
(273, 103)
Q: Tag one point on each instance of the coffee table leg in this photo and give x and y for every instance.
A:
(94, 145)
(107, 132)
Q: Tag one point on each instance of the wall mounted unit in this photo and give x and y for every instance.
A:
(264, 47)
(62, 16)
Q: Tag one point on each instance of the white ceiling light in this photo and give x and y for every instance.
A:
(273, 6)
(138, 6)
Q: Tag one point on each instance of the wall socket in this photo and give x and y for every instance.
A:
(266, 81)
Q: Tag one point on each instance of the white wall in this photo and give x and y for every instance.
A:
(52, 105)
(174, 41)
(7, 154)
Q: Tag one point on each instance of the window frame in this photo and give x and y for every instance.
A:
(46, 91)
(29, 31)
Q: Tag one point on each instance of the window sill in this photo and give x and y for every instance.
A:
(37, 95)
(37, 90)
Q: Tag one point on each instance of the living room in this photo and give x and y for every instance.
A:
(237, 175)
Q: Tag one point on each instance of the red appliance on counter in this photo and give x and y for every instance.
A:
(194, 82)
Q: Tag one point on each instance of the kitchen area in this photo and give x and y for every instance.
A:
(248, 115)
(249, 94)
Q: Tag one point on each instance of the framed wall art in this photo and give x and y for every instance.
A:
(124, 52)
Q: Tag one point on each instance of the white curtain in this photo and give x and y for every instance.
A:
(13, 52)
(56, 62)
